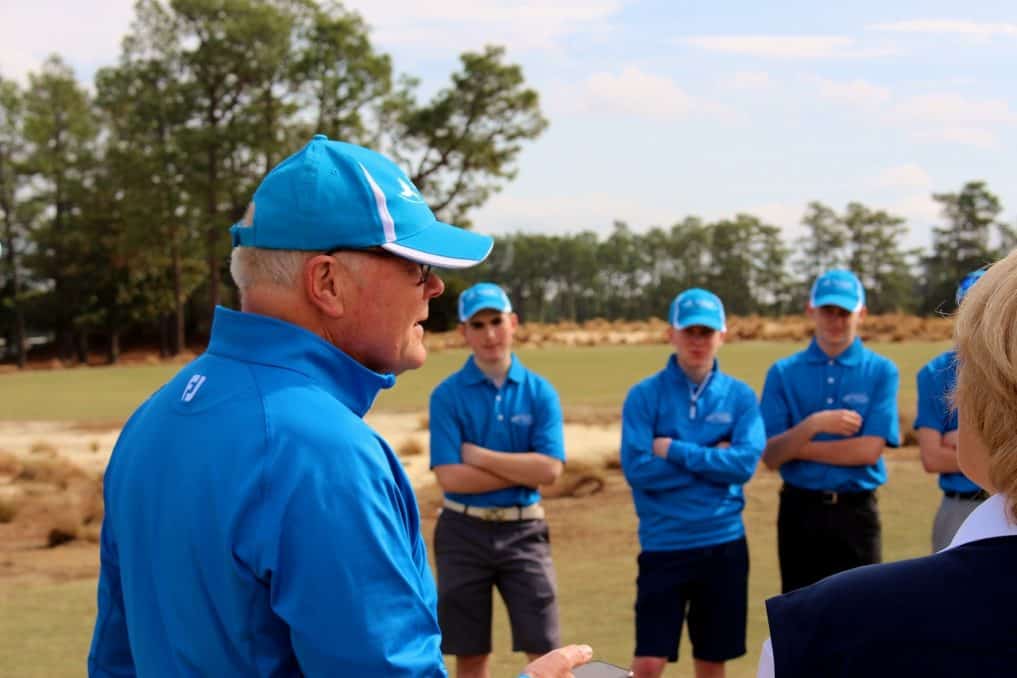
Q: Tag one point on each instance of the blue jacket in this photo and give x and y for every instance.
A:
(810, 381)
(524, 415)
(936, 381)
(694, 497)
(256, 526)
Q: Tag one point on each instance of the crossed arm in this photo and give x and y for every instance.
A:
(938, 450)
(486, 470)
(796, 442)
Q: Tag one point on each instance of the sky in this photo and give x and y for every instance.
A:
(661, 110)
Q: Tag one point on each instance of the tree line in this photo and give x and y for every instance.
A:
(115, 197)
(747, 262)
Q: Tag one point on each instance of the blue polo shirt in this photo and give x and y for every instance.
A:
(694, 497)
(256, 526)
(936, 380)
(524, 415)
(810, 381)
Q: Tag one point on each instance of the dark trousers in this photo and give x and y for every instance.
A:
(822, 533)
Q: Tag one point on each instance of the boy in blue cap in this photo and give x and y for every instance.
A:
(496, 435)
(254, 524)
(830, 410)
(691, 437)
(936, 427)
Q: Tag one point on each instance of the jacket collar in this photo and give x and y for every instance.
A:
(254, 338)
(990, 519)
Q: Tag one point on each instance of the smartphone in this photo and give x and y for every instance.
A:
(600, 670)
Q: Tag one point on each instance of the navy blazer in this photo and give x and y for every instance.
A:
(950, 614)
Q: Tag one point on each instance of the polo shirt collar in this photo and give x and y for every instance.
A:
(990, 519)
(473, 374)
(851, 356)
(678, 374)
(254, 338)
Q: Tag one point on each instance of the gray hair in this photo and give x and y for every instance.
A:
(252, 266)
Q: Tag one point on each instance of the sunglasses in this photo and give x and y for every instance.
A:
(425, 269)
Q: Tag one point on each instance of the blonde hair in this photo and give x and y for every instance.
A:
(986, 332)
(252, 266)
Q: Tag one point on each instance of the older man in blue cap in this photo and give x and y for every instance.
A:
(936, 427)
(691, 437)
(496, 435)
(255, 525)
(830, 410)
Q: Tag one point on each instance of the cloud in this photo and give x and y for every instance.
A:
(947, 26)
(903, 176)
(465, 24)
(786, 46)
(949, 107)
(635, 92)
(86, 38)
(568, 213)
(857, 92)
(751, 80)
(964, 136)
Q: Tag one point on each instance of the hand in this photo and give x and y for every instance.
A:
(661, 446)
(469, 453)
(836, 422)
(950, 439)
(559, 663)
(723, 444)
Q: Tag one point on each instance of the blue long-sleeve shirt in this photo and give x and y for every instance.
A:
(694, 497)
(256, 526)
(936, 380)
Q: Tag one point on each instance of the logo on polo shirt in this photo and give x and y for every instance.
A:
(719, 418)
(522, 419)
(856, 398)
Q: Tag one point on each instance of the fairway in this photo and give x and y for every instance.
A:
(597, 377)
(47, 624)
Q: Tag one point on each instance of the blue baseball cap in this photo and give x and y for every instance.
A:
(697, 307)
(333, 195)
(481, 297)
(838, 287)
(965, 284)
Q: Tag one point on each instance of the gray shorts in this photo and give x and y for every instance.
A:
(475, 555)
(952, 512)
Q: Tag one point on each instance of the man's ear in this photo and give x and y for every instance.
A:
(325, 281)
(863, 312)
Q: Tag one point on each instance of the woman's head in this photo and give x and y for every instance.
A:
(986, 396)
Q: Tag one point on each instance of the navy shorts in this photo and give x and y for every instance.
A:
(710, 583)
(474, 557)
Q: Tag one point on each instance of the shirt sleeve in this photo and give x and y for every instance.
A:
(346, 573)
(773, 404)
(549, 432)
(931, 413)
(731, 465)
(446, 433)
(644, 470)
(110, 654)
(882, 419)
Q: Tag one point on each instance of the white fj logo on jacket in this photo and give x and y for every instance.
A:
(192, 387)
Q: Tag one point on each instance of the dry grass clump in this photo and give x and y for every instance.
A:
(43, 448)
(587, 415)
(600, 332)
(581, 478)
(410, 447)
(56, 471)
(8, 509)
(10, 465)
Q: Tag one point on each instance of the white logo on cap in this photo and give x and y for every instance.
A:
(409, 194)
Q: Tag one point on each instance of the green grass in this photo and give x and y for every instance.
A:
(585, 377)
(45, 629)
